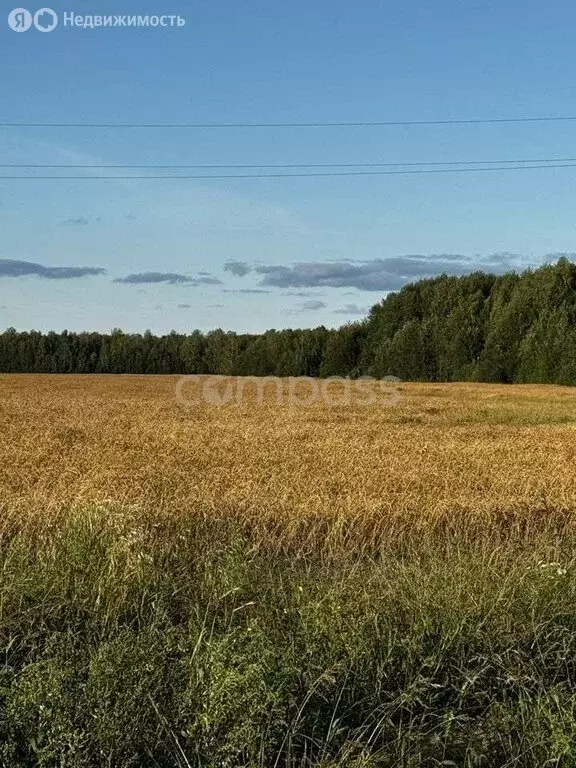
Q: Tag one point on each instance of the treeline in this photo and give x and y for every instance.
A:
(481, 327)
(510, 328)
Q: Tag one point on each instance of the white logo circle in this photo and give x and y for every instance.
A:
(19, 20)
(45, 20)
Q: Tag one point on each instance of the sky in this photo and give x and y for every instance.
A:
(249, 254)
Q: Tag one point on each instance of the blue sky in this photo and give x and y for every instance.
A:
(316, 250)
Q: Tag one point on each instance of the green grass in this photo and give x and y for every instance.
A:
(147, 642)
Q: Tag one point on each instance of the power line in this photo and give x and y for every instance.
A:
(152, 166)
(287, 175)
(336, 124)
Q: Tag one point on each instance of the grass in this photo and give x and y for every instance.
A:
(266, 585)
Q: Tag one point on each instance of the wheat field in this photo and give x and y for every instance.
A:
(226, 573)
(432, 450)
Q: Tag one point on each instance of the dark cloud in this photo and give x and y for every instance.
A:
(237, 268)
(184, 306)
(351, 309)
(245, 290)
(302, 294)
(387, 274)
(12, 268)
(81, 221)
(169, 278)
(501, 258)
(311, 306)
(141, 278)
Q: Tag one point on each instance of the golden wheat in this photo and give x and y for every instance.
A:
(430, 451)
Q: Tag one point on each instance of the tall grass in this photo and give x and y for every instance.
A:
(132, 642)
